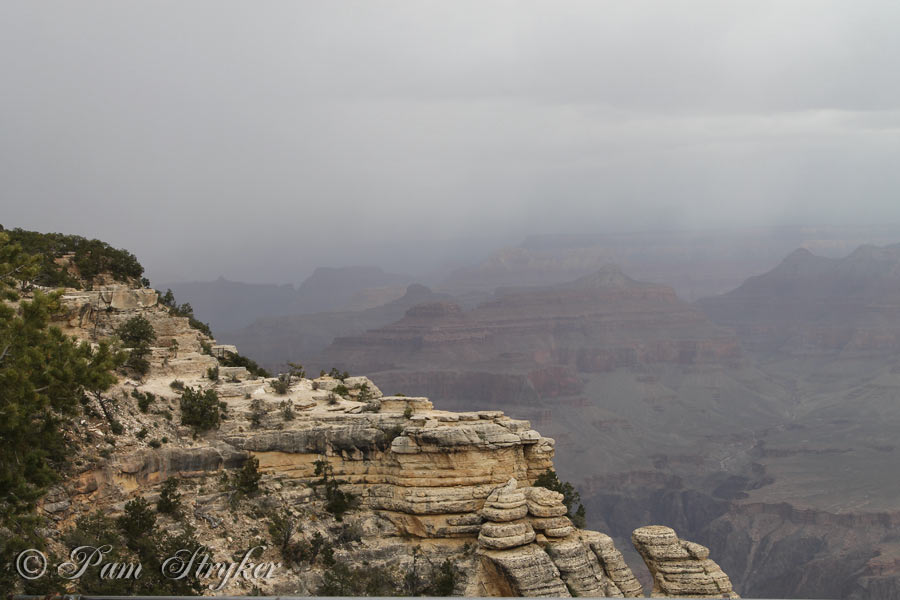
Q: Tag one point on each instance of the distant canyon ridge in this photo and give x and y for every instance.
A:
(759, 420)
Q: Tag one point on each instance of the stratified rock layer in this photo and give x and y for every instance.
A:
(680, 568)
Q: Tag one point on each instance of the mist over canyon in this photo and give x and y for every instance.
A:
(760, 420)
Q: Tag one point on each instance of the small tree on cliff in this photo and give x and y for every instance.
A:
(571, 497)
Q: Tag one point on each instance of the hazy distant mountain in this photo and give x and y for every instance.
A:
(272, 341)
(230, 305)
(813, 304)
(695, 263)
(544, 336)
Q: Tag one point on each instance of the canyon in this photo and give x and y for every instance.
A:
(425, 486)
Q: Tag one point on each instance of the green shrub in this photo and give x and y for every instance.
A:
(571, 497)
(154, 443)
(246, 481)
(136, 331)
(137, 334)
(169, 502)
(232, 359)
(116, 427)
(408, 411)
(144, 399)
(282, 385)
(91, 258)
(201, 409)
(335, 374)
(341, 390)
(184, 310)
(337, 502)
(177, 384)
(212, 373)
(258, 412)
(287, 410)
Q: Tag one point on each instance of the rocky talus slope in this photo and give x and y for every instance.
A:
(429, 487)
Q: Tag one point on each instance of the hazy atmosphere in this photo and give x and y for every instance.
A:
(266, 140)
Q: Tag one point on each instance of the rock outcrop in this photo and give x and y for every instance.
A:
(680, 568)
(416, 480)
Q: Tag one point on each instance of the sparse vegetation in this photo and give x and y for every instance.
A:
(183, 310)
(201, 409)
(282, 385)
(169, 502)
(571, 497)
(287, 410)
(408, 411)
(337, 502)
(335, 374)
(246, 481)
(144, 399)
(177, 384)
(137, 334)
(258, 412)
(232, 359)
(212, 373)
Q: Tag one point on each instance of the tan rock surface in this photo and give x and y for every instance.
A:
(680, 568)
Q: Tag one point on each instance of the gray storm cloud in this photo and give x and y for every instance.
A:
(259, 140)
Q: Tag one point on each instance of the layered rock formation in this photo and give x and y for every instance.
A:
(541, 338)
(680, 568)
(426, 482)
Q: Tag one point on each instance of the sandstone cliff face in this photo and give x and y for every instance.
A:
(431, 485)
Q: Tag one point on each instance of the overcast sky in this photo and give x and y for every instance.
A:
(257, 140)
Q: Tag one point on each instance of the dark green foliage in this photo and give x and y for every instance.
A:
(337, 502)
(282, 526)
(333, 398)
(247, 479)
(443, 583)
(137, 334)
(287, 410)
(183, 310)
(92, 257)
(142, 433)
(571, 497)
(408, 411)
(138, 522)
(201, 409)
(365, 394)
(232, 359)
(169, 502)
(134, 538)
(144, 399)
(341, 390)
(282, 385)
(177, 384)
(334, 373)
(341, 580)
(116, 427)
(44, 376)
(212, 373)
(154, 443)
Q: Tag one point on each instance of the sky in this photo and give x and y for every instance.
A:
(260, 140)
